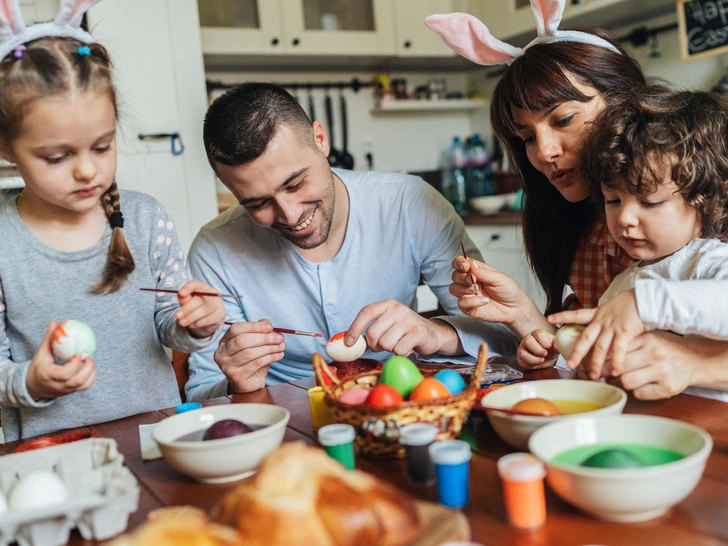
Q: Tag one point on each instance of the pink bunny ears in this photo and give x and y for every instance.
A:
(14, 33)
(470, 38)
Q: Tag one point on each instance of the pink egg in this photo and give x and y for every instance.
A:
(354, 396)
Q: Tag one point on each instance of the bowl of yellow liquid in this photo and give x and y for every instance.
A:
(623, 468)
(547, 401)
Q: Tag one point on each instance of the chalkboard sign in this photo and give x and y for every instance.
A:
(703, 28)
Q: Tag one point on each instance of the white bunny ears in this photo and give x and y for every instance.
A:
(470, 38)
(14, 33)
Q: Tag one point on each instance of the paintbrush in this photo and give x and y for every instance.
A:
(473, 286)
(193, 293)
(289, 331)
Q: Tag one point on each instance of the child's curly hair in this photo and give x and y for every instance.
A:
(654, 127)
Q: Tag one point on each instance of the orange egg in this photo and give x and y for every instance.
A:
(537, 406)
(429, 389)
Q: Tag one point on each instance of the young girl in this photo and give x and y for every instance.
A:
(73, 246)
(658, 163)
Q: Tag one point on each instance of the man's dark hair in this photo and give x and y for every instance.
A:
(240, 124)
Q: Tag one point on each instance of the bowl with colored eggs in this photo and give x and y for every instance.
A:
(545, 401)
(378, 403)
(623, 468)
(219, 444)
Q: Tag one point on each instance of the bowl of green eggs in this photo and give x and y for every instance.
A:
(623, 468)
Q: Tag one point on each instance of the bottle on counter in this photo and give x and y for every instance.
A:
(454, 185)
(478, 181)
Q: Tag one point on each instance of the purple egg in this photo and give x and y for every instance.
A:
(226, 428)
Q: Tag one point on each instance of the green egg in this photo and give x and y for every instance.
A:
(612, 458)
(400, 373)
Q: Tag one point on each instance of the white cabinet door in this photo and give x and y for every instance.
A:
(414, 39)
(161, 84)
(502, 247)
(338, 27)
(241, 27)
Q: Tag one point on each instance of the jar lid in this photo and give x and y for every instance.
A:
(520, 467)
(334, 435)
(189, 406)
(417, 434)
(450, 452)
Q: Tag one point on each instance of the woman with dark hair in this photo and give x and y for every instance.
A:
(541, 109)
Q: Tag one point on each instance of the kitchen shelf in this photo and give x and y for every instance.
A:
(413, 105)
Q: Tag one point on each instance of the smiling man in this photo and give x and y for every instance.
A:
(316, 249)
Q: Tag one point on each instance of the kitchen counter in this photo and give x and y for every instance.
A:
(227, 200)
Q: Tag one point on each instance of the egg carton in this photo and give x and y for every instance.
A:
(102, 493)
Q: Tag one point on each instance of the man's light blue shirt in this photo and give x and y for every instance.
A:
(399, 228)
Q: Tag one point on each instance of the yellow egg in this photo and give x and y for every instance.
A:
(537, 406)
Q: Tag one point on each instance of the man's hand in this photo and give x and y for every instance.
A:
(246, 352)
(398, 329)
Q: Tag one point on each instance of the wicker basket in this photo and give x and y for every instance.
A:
(378, 428)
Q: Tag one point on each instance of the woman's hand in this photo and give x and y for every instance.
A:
(537, 350)
(498, 297)
(201, 315)
(46, 379)
(611, 328)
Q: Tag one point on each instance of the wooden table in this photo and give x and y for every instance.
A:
(702, 519)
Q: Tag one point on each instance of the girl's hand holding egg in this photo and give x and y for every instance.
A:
(201, 315)
(537, 350)
(45, 379)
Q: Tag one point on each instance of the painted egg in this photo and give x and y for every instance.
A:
(612, 458)
(402, 374)
(73, 337)
(452, 380)
(338, 351)
(37, 489)
(537, 406)
(354, 396)
(566, 338)
(384, 396)
(429, 389)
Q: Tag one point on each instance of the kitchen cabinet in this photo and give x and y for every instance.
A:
(413, 38)
(514, 20)
(297, 27)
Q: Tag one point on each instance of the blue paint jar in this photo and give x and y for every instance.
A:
(452, 472)
(188, 406)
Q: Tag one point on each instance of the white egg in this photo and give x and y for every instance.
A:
(339, 352)
(566, 338)
(37, 489)
(73, 337)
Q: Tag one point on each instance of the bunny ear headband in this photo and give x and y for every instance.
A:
(14, 33)
(467, 36)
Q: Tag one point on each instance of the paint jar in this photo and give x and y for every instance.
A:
(452, 462)
(187, 406)
(320, 414)
(338, 441)
(416, 439)
(523, 493)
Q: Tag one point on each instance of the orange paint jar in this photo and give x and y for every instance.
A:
(523, 493)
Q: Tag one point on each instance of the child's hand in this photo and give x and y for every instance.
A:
(612, 327)
(46, 379)
(201, 315)
(537, 350)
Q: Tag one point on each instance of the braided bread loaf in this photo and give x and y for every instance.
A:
(300, 496)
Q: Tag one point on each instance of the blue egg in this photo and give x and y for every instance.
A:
(452, 380)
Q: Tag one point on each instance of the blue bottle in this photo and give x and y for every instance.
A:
(454, 187)
(478, 172)
(452, 472)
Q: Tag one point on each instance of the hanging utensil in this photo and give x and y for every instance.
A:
(311, 106)
(346, 159)
(334, 154)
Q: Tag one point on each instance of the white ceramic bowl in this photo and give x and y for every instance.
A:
(488, 204)
(511, 199)
(228, 459)
(623, 494)
(517, 429)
